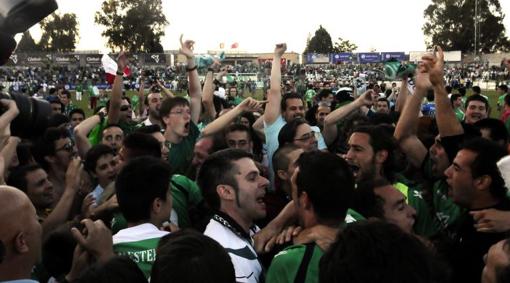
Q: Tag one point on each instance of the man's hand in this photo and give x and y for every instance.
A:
(422, 80)
(251, 105)
(366, 99)
(280, 49)
(10, 105)
(434, 65)
(122, 61)
(96, 238)
(187, 48)
(73, 174)
(491, 220)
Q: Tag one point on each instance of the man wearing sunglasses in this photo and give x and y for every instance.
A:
(54, 152)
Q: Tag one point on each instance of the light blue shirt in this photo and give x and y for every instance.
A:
(271, 132)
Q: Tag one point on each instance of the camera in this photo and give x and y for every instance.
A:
(33, 115)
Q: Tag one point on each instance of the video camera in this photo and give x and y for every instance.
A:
(17, 16)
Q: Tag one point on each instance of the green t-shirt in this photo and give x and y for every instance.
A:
(185, 193)
(459, 114)
(501, 99)
(285, 265)
(181, 154)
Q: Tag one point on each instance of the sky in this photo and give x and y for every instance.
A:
(256, 25)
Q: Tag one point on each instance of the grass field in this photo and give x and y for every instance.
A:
(83, 104)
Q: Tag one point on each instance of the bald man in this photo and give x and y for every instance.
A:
(21, 237)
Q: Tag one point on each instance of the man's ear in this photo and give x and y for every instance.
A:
(225, 192)
(304, 200)
(381, 156)
(20, 243)
(282, 174)
(157, 204)
(483, 182)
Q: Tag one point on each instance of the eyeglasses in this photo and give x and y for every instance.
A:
(125, 107)
(181, 112)
(69, 147)
(308, 136)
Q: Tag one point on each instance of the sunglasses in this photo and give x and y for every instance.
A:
(125, 107)
(69, 147)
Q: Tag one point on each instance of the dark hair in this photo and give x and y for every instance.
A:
(140, 181)
(187, 250)
(488, 153)
(58, 250)
(123, 98)
(151, 129)
(377, 252)
(119, 269)
(139, 144)
(287, 133)
(280, 159)
(219, 169)
(46, 145)
(328, 182)
(66, 93)
(380, 118)
(324, 93)
(476, 89)
(454, 97)
(448, 89)
(169, 103)
(382, 139)
(385, 100)
(477, 97)
(366, 201)
(57, 119)
(77, 110)
(239, 128)
(287, 96)
(497, 129)
(93, 155)
(503, 88)
(18, 176)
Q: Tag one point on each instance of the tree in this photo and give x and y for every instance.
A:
(320, 43)
(133, 25)
(27, 43)
(60, 33)
(451, 24)
(344, 46)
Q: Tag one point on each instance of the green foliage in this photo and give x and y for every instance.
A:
(60, 33)
(320, 43)
(27, 43)
(451, 24)
(133, 25)
(344, 46)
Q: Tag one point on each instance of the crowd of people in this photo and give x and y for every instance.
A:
(331, 177)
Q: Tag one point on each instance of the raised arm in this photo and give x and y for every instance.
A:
(402, 96)
(249, 104)
(447, 122)
(330, 131)
(141, 96)
(274, 96)
(195, 91)
(82, 130)
(166, 92)
(208, 93)
(405, 131)
(116, 97)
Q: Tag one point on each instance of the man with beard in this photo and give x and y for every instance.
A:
(235, 190)
(443, 212)
(475, 183)
(180, 117)
(153, 102)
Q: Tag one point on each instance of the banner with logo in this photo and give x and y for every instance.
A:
(91, 59)
(341, 57)
(313, 58)
(400, 56)
(155, 59)
(66, 59)
(371, 57)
